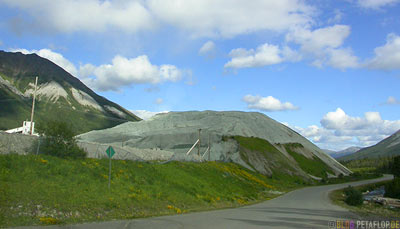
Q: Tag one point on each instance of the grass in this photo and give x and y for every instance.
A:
(263, 152)
(259, 149)
(256, 144)
(370, 210)
(314, 166)
(41, 190)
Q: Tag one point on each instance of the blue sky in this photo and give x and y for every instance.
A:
(328, 69)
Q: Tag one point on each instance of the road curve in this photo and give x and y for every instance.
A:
(303, 208)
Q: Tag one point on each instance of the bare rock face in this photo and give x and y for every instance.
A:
(178, 131)
(58, 95)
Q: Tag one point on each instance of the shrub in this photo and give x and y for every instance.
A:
(396, 166)
(392, 189)
(353, 196)
(59, 141)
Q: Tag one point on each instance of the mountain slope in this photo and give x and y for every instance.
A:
(60, 96)
(277, 144)
(387, 147)
(345, 152)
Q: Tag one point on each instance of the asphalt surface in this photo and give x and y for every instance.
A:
(304, 208)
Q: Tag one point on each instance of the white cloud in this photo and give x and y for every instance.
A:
(337, 17)
(224, 18)
(342, 59)
(264, 55)
(291, 55)
(376, 4)
(392, 101)
(324, 46)
(339, 120)
(159, 101)
(123, 71)
(208, 49)
(339, 130)
(387, 57)
(267, 103)
(54, 57)
(85, 15)
(314, 41)
(143, 114)
(228, 18)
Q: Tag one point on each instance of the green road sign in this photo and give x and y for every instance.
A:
(110, 151)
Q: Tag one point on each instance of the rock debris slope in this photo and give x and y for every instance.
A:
(178, 131)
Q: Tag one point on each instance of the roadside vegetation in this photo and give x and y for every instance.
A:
(43, 189)
(370, 165)
(351, 197)
(314, 166)
(369, 210)
(61, 186)
(58, 140)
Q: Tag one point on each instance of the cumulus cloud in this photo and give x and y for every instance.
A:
(121, 72)
(124, 71)
(85, 15)
(376, 4)
(339, 130)
(229, 18)
(208, 49)
(264, 55)
(314, 41)
(54, 57)
(143, 114)
(224, 18)
(324, 46)
(387, 57)
(267, 103)
(392, 101)
(342, 58)
(339, 120)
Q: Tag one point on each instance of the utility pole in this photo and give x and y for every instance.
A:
(198, 146)
(33, 106)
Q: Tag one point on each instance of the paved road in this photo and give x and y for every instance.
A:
(304, 208)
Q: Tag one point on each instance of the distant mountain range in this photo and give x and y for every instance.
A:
(387, 147)
(60, 96)
(341, 153)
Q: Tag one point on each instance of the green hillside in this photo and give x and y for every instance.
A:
(268, 159)
(39, 190)
(386, 148)
(17, 71)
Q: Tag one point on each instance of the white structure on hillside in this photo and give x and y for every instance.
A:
(28, 128)
(25, 129)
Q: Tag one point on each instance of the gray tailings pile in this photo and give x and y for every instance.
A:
(174, 133)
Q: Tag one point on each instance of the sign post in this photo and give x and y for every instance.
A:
(110, 152)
